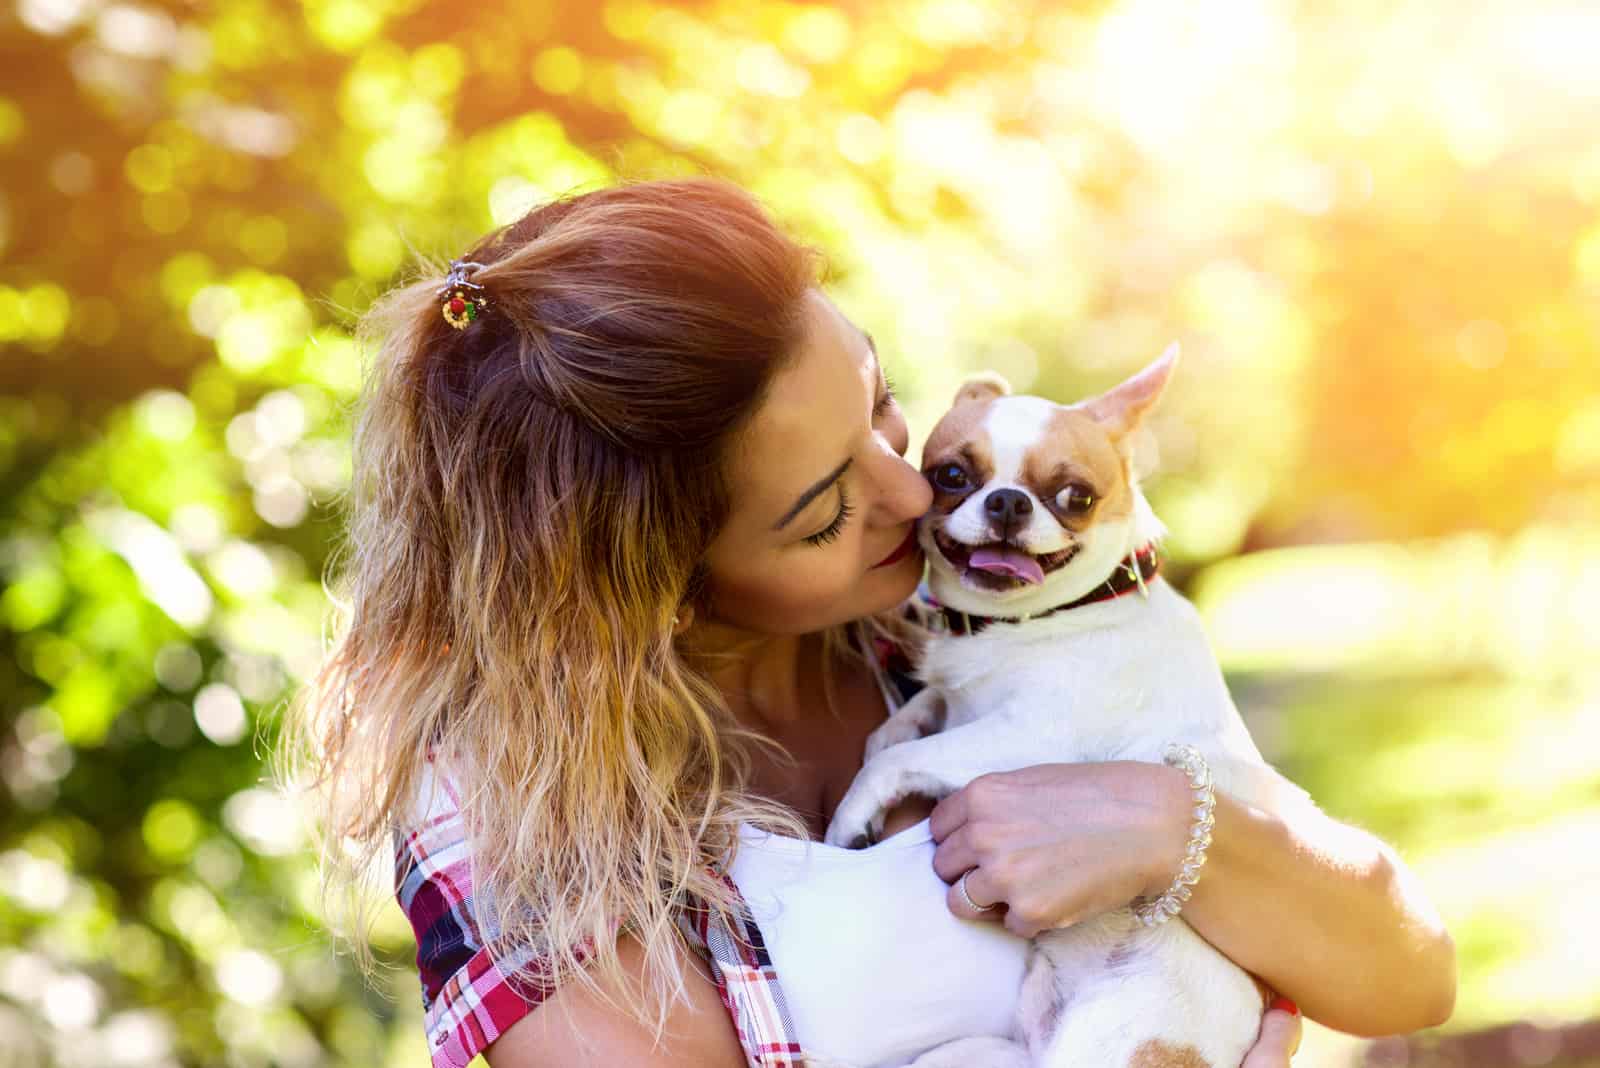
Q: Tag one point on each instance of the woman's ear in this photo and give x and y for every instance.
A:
(682, 620)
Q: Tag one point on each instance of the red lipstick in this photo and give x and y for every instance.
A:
(900, 551)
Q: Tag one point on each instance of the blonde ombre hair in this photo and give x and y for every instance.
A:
(532, 501)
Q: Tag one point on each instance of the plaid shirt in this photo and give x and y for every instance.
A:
(471, 998)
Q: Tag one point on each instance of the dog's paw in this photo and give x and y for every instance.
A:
(857, 822)
(854, 834)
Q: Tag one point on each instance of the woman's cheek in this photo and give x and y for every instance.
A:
(799, 596)
(821, 592)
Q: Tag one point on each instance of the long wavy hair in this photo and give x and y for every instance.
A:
(533, 497)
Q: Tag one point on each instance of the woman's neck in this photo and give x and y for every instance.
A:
(769, 681)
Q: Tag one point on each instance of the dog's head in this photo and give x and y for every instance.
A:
(1035, 503)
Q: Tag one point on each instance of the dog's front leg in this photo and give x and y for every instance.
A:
(920, 716)
(933, 767)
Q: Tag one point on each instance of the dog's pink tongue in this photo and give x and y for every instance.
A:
(1012, 563)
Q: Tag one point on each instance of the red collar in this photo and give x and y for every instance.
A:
(1130, 575)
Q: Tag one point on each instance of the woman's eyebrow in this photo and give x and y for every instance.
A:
(811, 494)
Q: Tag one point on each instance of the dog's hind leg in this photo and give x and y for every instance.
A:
(1174, 1002)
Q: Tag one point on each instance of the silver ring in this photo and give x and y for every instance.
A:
(961, 886)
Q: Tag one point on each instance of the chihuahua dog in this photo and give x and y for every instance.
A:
(1064, 644)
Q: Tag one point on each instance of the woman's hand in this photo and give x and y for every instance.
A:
(1281, 1025)
(1059, 843)
(1323, 911)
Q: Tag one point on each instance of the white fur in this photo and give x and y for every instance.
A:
(1013, 425)
(1114, 680)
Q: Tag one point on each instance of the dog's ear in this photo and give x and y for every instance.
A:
(985, 385)
(1121, 409)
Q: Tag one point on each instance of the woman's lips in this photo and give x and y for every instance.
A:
(901, 550)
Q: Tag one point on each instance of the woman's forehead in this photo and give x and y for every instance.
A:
(810, 418)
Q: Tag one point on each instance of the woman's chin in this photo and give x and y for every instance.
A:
(878, 590)
(897, 582)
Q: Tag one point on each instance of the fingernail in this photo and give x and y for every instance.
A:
(1281, 1002)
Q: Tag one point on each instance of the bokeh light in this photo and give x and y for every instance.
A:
(1374, 227)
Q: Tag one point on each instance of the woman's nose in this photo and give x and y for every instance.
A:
(903, 492)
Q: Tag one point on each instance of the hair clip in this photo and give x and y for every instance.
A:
(461, 307)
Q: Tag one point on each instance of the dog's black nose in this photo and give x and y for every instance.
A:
(1006, 506)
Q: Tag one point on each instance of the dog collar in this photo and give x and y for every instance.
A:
(1134, 571)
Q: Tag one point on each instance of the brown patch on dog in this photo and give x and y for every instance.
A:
(960, 438)
(1075, 448)
(1158, 1054)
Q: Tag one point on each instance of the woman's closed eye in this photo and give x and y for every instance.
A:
(884, 404)
(831, 531)
(885, 398)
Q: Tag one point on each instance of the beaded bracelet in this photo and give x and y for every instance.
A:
(1188, 759)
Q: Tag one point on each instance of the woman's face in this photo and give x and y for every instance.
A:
(823, 502)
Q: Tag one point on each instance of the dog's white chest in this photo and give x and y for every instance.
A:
(1116, 680)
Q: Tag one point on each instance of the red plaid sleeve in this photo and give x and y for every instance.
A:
(470, 997)
(748, 983)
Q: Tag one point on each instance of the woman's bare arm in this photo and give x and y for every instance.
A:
(1325, 913)
(1328, 915)
(573, 1028)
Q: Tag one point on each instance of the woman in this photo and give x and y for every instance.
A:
(628, 517)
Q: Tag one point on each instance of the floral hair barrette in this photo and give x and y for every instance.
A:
(463, 297)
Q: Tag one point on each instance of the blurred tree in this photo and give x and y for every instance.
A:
(1388, 311)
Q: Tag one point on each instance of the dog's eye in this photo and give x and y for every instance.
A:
(950, 478)
(1075, 499)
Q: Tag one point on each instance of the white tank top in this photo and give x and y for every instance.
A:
(873, 965)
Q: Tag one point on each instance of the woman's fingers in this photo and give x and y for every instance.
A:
(958, 861)
(956, 854)
(1280, 1037)
(949, 814)
(981, 894)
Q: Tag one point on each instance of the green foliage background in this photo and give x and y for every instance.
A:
(1373, 225)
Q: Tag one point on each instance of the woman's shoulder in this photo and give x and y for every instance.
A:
(468, 997)
(581, 1025)
(474, 987)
